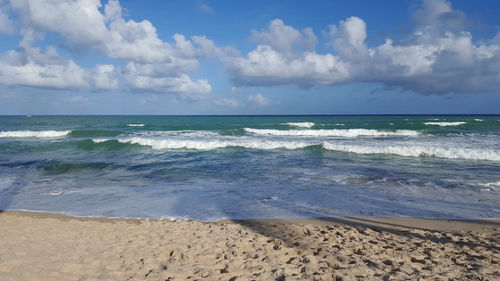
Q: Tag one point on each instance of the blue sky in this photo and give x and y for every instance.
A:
(256, 57)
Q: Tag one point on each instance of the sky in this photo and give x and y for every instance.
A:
(249, 57)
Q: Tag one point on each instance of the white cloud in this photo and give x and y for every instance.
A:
(435, 59)
(158, 65)
(182, 85)
(438, 14)
(34, 67)
(259, 100)
(284, 38)
(226, 102)
(103, 77)
(264, 67)
(28, 66)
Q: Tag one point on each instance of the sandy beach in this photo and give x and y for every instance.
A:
(41, 246)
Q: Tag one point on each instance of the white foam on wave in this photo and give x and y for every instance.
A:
(350, 133)
(444, 124)
(416, 151)
(300, 124)
(100, 140)
(478, 120)
(493, 185)
(33, 134)
(157, 143)
(183, 133)
(136, 125)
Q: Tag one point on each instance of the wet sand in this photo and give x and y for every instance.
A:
(42, 246)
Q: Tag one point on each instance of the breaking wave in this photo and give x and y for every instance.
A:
(444, 124)
(209, 144)
(411, 150)
(300, 124)
(136, 125)
(417, 151)
(350, 133)
(34, 134)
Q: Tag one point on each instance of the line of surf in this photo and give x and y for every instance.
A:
(300, 124)
(34, 134)
(445, 124)
(406, 150)
(450, 152)
(349, 133)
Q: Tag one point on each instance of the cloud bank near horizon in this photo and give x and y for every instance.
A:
(438, 57)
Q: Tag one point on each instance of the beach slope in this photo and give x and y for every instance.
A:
(40, 246)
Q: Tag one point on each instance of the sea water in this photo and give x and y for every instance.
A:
(242, 167)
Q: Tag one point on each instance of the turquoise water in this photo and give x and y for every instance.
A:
(240, 167)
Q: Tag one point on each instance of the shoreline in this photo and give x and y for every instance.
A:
(48, 246)
(395, 223)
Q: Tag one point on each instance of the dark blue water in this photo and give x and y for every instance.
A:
(213, 167)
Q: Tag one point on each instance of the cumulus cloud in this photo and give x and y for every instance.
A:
(34, 67)
(259, 100)
(438, 58)
(153, 64)
(103, 77)
(29, 66)
(439, 15)
(285, 39)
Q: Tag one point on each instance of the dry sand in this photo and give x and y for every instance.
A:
(40, 246)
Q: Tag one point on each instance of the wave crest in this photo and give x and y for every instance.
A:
(209, 144)
(34, 134)
(350, 133)
(300, 124)
(444, 124)
(417, 151)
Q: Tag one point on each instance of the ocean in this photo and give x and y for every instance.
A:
(252, 167)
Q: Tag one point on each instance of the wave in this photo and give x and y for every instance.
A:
(300, 124)
(34, 134)
(136, 125)
(444, 124)
(332, 133)
(478, 120)
(492, 185)
(208, 144)
(417, 151)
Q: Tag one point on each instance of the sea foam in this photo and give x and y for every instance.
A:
(33, 134)
(136, 125)
(300, 124)
(350, 133)
(416, 151)
(157, 143)
(444, 124)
